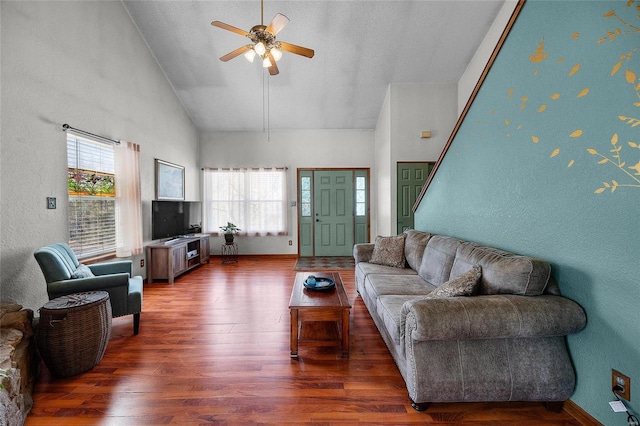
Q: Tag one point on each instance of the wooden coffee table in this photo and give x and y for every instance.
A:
(319, 318)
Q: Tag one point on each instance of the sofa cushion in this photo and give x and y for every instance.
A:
(438, 259)
(389, 308)
(382, 285)
(503, 272)
(365, 268)
(389, 251)
(82, 271)
(414, 247)
(462, 285)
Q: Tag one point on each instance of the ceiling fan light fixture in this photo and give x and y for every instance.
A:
(276, 54)
(250, 54)
(260, 48)
(266, 63)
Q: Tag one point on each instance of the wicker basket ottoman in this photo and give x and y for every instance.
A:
(73, 332)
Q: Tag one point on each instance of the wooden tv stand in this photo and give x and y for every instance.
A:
(167, 260)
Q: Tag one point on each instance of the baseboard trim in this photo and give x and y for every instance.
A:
(579, 414)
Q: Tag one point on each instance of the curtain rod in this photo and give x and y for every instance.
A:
(66, 127)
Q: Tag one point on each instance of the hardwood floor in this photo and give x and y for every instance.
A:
(214, 348)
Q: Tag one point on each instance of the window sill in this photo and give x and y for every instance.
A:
(98, 258)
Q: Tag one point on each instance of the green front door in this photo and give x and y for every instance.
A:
(333, 212)
(411, 179)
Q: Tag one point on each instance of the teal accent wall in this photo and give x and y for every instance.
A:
(547, 163)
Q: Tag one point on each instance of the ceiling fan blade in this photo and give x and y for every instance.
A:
(277, 23)
(273, 69)
(239, 51)
(298, 50)
(229, 28)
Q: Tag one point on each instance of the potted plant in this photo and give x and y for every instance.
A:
(230, 230)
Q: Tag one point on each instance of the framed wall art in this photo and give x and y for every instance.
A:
(169, 181)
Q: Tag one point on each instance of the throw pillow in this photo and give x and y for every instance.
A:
(389, 251)
(463, 285)
(82, 271)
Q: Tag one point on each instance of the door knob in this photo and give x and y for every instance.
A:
(317, 220)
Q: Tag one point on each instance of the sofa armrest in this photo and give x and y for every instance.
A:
(106, 268)
(78, 285)
(494, 316)
(362, 252)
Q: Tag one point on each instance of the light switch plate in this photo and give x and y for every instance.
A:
(51, 202)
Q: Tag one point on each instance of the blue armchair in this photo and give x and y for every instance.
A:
(65, 275)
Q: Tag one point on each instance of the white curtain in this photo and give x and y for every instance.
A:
(254, 199)
(128, 200)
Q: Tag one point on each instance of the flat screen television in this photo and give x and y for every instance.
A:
(171, 219)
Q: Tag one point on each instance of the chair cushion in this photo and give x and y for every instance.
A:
(389, 251)
(82, 271)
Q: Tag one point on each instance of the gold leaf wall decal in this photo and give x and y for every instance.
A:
(630, 76)
(616, 68)
(535, 139)
(574, 70)
(540, 54)
(575, 35)
(506, 122)
(542, 108)
(560, 60)
(510, 92)
(583, 93)
(576, 134)
(555, 152)
(570, 163)
(555, 96)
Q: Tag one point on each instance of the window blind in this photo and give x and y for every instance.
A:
(91, 188)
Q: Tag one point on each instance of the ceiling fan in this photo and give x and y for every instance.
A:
(264, 42)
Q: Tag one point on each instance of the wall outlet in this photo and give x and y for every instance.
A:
(142, 263)
(622, 381)
(51, 202)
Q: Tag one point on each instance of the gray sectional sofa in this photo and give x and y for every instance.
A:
(504, 343)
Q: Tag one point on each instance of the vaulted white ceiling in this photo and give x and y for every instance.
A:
(360, 48)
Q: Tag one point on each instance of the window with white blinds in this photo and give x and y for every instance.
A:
(91, 185)
(255, 200)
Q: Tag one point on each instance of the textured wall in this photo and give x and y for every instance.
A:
(547, 163)
(85, 64)
(293, 149)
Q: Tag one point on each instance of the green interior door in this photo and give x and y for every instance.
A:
(411, 179)
(333, 212)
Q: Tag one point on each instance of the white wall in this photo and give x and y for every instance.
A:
(382, 185)
(85, 64)
(408, 110)
(414, 108)
(291, 149)
(472, 74)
